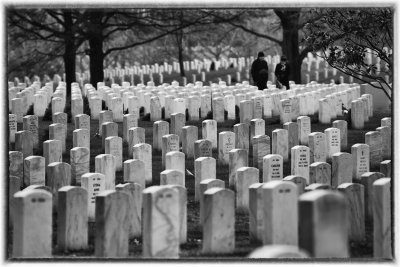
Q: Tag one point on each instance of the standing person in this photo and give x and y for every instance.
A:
(259, 71)
(282, 72)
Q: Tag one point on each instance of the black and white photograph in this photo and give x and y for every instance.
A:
(199, 132)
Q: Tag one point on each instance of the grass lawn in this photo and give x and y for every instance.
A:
(192, 249)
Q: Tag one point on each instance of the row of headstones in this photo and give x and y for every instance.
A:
(188, 65)
(217, 99)
(275, 218)
(322, 145)
(255, 106)
(270, 165)
(33, 169)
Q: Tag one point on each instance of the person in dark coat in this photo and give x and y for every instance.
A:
(282, 71)
(259, 71)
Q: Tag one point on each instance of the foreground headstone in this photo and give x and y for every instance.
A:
(105, 116)
(246, 111)
(219, 221)
(272, 167)
(160, 222)
(386, 168)
(242, 135)
(293, 132)
(58, 175)
(285, 114)
(80, 163)
(31, 123)
(113, 146)
(135, 206)
(24, 143)
(136, 135)
(34, 170)
(342, 169)
(226, 142)
(108, 129)
(360, 159)
(12, 127)
(280, 143)
(256, 213)
(317, 145)
(354, 194)
(237, 158)
(304, 128)
(17, 108)
(357, 114)
(143, 153)
(61, 117)
(244, 178)
(105, 164)
(175, 160)
(172, 177)
(14, 185)
(332, 136)
(299, 181)
(386, 122)
(160, 128)
(367, 179)
(189, 136)
(218, 109)
(81, 138)
(321, 173)
(82, 121)
(33, 219)
(16, 164)
(170, 142)
(342, 126)
(382, 219)
(178, 120)
(386, 134)
(134, 172)
(204, 168)
(278, 251)
(72, 218)
(182, 194)
(204, 186)
(129, 121)
(257, 127)
(57, 131)
(202, 148)
(300, 161)
(280, 213)
(209, 131)
(111, 238)
(261, 148)
(323, 223)
(94, 183)
(317, 186)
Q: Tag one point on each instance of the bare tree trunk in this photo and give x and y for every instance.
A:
(290, 43)
(69, 53)
(95, 33)
(96, 60)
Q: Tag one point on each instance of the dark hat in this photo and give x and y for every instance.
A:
(260, 54)
(283, 58)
